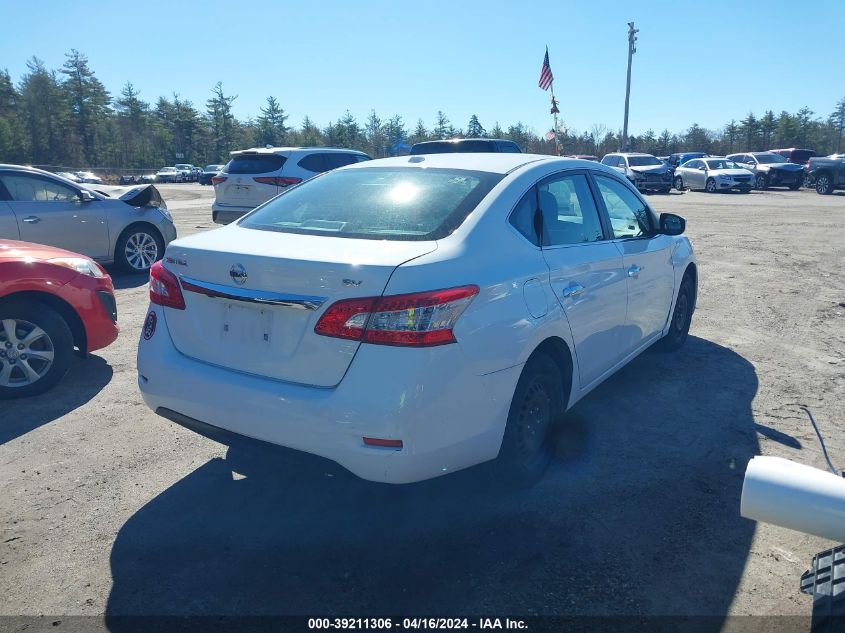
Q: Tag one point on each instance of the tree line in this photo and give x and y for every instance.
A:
(67, 118)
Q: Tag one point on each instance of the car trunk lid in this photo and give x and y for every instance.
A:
(253, 298)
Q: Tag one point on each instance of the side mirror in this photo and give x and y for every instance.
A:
(86, 196)
(671, 224)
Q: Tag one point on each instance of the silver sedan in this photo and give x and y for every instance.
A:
(129, 226)
(712, 175)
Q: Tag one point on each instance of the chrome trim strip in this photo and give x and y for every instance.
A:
(301, 302)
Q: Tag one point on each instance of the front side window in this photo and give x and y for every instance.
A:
(629, 216)
(27, 188)
(722, 163)
(385, 203)
(569, 211)
(692, 164)
(610, 161)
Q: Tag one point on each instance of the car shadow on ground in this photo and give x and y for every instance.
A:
(122, 280)
(84, 380)
(639, 514)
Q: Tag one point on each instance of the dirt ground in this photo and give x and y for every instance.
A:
(106, 508)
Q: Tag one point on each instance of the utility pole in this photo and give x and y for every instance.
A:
(632, 48)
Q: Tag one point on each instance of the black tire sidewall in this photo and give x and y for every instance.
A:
(60, 335)
(120, 248)
(674, 339)
(679, 183)
(514, 470)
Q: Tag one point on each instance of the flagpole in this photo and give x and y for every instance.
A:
(554, 113)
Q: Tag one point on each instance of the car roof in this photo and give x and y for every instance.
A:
(629, 154)
(276, 150)
(461, 140)
(497, 163)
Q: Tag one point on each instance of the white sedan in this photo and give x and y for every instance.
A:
(712, 175)
(410, 317)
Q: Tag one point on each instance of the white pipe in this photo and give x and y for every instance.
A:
(794, 496)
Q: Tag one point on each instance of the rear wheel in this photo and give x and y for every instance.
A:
(796, 186)
(537, 404)
(138, 248)
(36, 348)
(711, 186)
(681, 318)
(762, 182)
(679, 183)
(824, 184)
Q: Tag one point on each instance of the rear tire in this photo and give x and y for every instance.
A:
(710, 186)
(679, 183)
(824, 185)
(36, 348)
(681, 318)
(537, 404)
(795, 187)
(762, 182)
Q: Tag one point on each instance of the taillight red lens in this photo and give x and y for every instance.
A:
(275, 180)
(164, 288)
(216, 180)
(419, 319)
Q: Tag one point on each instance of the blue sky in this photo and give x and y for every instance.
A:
(696, 61)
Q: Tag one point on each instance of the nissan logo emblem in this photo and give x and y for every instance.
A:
(238, 274)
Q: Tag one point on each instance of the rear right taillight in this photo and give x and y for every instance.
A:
(420, 319)
(216, 180)
(164, 288)
(277, 180)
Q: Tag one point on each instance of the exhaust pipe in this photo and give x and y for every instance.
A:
(794, 496)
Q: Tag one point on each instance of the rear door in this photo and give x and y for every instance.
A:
(250, 179)
(585, 272)
(8, 222)
(51, 212)
(646, 258)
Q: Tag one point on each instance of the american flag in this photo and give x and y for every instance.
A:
(546, 77)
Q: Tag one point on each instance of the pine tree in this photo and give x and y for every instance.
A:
(837, 122)
(12, 144)
(89, 102)
(442, 127)
(221, 122)
(45, 112)
(767, 129)
(375, 136)
(474, 128)
(271, 128)
(750, 129)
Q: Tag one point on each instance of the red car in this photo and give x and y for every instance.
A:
(51, 301)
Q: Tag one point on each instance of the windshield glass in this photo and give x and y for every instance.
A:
(643, 161)
(722, 163)
(378, 203)
(213, 167)
(770, 158)
(167, 169)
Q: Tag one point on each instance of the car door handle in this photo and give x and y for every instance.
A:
(573, 290)
(634, 270)
(33, 219)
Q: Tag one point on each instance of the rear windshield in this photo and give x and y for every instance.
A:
(212, 168)
(802, 155)
(643, 161)
(255, 164)
(378, 203)
(447, 147)
(766, 158)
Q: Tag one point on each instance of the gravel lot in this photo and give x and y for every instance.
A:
(107, 509)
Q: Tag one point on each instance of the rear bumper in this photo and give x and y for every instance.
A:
(225, 214)
(446, 417)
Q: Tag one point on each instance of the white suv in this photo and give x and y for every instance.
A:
(253, 176)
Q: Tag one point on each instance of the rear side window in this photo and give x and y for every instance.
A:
(335, 160)
(377, 203)
(314, 162)
(29, 188)
(255, 164)
(569, 211)
(509, 147)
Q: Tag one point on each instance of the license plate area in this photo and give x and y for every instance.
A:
(246, 326)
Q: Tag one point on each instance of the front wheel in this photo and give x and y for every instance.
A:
(681, 318)
(824, 185)
(36, 348)
(138, 248)
(710, 187)
(795, 187)
(537, 404)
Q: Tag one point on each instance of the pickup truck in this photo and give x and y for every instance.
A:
(828, 173)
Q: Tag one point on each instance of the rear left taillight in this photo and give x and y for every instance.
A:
(164, 288)
(216, 180)
(278, 181)
(419, 319)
